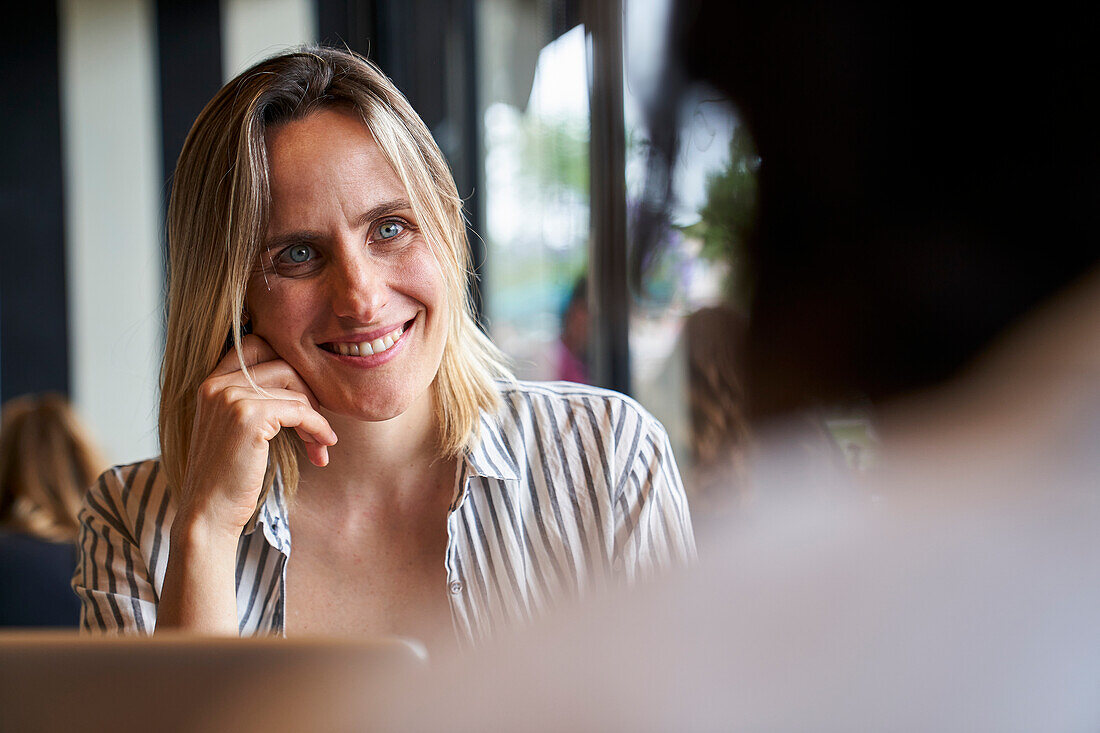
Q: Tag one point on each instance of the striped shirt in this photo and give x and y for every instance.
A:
(567, 488)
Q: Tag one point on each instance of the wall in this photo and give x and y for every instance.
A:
(116, 187)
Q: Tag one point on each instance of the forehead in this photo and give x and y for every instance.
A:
(326, 161)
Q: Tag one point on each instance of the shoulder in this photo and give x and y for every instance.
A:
(128, 490)
(578, 416)
(127, 478)
(572, 396)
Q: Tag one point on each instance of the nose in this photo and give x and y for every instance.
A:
(358, 288)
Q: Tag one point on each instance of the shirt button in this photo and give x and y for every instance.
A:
(456, 587)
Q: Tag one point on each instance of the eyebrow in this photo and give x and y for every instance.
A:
(383, 209)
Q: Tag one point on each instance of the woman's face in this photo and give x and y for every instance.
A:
(347, 290)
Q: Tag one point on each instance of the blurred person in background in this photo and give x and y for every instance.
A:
(47, 462)
(714, 340)
(318, 288)
(572, 346)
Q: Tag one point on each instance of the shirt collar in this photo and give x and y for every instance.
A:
(272, 517)
(490, 454)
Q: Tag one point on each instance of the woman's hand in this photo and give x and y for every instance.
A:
(230, 438)
(233, 427)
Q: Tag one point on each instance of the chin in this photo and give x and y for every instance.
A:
(371, 411)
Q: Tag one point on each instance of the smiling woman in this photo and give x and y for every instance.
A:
(357, 302)
(318, 309)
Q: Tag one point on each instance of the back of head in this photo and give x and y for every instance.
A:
(927, 176)
(46, 463)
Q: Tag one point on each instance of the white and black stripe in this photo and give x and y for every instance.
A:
(567, 488)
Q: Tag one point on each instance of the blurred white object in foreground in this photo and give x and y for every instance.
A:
(966, 596)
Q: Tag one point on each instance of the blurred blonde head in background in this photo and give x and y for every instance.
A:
(47, 461)
(219, 211)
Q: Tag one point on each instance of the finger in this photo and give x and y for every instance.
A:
(278, 375)
(272, 377)
(318, 454)
(296, 389)
(307, 438)
(276, 414)
(269, 372)
(254, 350)
(234, 393)
(282, 394)
(231, 393)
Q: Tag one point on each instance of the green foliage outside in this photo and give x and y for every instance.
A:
(728, 217)
(536, 279)
(556, 153)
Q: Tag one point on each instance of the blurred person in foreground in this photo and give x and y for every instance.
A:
(927, 239)
(318, 292)
(47, 462)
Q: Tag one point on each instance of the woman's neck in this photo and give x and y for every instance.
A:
(379, 461)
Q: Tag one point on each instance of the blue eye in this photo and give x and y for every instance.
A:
(297, 260)
(299, 253)
(389, 230)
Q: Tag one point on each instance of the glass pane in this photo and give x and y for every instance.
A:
(690, 313)
(534, 113)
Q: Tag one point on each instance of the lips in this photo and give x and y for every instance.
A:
(369, 347)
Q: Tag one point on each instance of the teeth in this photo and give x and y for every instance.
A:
(366, 348)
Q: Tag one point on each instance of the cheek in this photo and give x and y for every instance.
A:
(276, 311)
(423, 280)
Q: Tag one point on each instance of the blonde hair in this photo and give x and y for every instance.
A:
(217, 217)
(47, 462)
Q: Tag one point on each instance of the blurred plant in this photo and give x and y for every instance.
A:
(729, 215)
(546, 251)
(555, 153)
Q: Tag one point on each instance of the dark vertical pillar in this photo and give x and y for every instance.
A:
(190, 71)
(609, 295)
(34, 337)
(428, 48)
(472, 182)
(348, 23)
